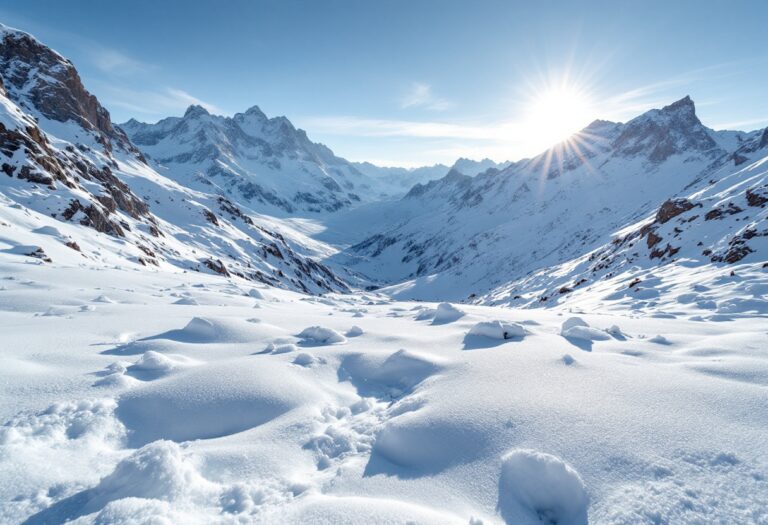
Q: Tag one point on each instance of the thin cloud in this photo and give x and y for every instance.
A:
(421, 96)
(741, 124)
(161, 103)
(114, 62)
(346, 125)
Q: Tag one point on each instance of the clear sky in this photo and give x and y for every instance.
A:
(413, 82)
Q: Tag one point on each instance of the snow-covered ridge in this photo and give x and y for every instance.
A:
(261, 162)
(67, 169)
(461, 237)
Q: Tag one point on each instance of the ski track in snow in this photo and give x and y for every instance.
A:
(210, 411)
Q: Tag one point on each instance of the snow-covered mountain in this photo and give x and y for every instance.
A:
(166, 359)
(460, 236)
(262, 162)
(400, 180)
(71, 178)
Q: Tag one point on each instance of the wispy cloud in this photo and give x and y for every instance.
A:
(347, 125)
(160, 103)
(420, 95)
(113, 62)
(742, 124)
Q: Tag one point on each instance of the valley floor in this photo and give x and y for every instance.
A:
(136, 397)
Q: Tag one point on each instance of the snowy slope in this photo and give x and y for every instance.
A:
(461, 236)
(129, 397)
(264, 163)
(65, 164)
(724, 224)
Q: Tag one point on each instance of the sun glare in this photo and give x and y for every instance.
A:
(556, 113)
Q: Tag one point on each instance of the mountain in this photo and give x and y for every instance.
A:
(262, 162)
(72, 179)
(522, 233)
(401, 180)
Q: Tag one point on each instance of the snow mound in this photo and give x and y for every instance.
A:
(421, 443)
(272, 348)
(659, 340)
(577, 328)
(425, 314)
(537, 488)
(446, 313)
(200, 328)
(209, 330)
(187, 301)
(355, 331)
(152, 365)
(321, 336)
(48, 230)
(212, 401)
(396, 376)
(256, 294)
(103, 299)
(156, 471)
(306, 359)
(497, 330)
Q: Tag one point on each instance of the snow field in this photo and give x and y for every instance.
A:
(201, 413)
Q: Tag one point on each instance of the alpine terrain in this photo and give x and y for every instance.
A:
(214, 319)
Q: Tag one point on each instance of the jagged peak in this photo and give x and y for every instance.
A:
(684, 104)
(255, 111)
(195, 110)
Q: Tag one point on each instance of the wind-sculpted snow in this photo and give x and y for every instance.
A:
(203, 413)
(540, 488)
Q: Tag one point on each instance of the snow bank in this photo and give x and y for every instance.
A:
(540, 488)
(273, 348)
(199, 328)
(306, 359)
(415, 443)
(577, 328)
(213, 401)
(446, 313)
(397, 375)
(497, 330)
(321, 336)
(153, 364)
(355, 331)
(156, 471)
(256, 294)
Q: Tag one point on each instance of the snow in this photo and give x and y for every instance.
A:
(446, 313)
(537, 487)
(321, 335)
(193, 423)
(497, 330)
(574, 375)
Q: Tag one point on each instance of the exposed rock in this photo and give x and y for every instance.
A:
(672, 208)
(757, 197)
(217, 266)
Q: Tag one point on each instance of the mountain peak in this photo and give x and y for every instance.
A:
(684, 105)
(195, 110)
(255, 111)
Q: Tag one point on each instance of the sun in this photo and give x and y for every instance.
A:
(555, 113)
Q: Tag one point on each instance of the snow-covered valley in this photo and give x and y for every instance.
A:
(216, 320)
(183, 398)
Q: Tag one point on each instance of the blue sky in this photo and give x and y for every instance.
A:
(415, 82)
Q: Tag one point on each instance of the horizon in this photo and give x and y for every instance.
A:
(391, 98)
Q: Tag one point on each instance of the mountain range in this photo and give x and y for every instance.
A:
(252, 197)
